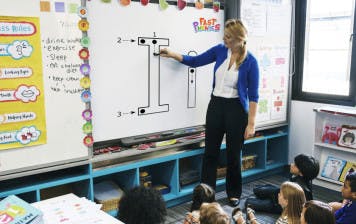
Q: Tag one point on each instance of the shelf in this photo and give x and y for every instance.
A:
(330, 180)
(335, 147)
(188, 189)
(44, 180)
(113, 213)
(334, 118)
(275, 165)
(169, 196)
(251, 172)
(165, 167)
(327, 184)
(220, 182)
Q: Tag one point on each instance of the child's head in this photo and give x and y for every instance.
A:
(142, 205)
(212, 213)
(349, 189)
(291, 198)
(306, 166)
(202, 193)
(315, 212)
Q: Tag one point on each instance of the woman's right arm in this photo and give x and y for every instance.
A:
(205, 58)
(170, 54)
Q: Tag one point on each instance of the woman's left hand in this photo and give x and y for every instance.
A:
(249, 131)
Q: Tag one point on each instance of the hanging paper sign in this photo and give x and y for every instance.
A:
(199, 4)
(87, 114)
(82, 12)
(216, 6)
(88, 141)
(163, 4)
(87, 128)
(84, 54)
(85, 69)
(86, 96)
(83, 25)
(85, 82)
(144, 2)
(181, 4)
(125, 2)
(85, 42)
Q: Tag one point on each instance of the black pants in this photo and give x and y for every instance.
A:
(224, 116)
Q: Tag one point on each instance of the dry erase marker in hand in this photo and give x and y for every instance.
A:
(156, 54)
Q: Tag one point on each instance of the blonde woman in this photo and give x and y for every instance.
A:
(233, 103)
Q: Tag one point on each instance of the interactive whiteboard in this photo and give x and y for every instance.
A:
(135, 92)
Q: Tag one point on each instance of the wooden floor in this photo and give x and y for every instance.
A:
(176, 214)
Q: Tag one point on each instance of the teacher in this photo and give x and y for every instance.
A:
(233, 104)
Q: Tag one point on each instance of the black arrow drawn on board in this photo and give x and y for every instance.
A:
(131, 112)
(131, 40)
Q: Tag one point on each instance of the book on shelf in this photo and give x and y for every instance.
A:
(347, 137)
(331, 132)
(333, 168)
(350, 167)
(14, 210)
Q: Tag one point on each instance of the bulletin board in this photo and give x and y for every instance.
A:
(269, 24)
(46, 113)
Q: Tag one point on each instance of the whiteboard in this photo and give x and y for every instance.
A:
(269, 25)
(135, 92)
(63, 106)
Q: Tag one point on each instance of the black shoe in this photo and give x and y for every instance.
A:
(234, 202)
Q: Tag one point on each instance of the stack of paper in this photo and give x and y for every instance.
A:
(14, 210)
(70, 209)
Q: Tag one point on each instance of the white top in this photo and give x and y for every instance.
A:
(226, 80)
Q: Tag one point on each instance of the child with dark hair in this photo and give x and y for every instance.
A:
(142, 205)
(315, 212)
(346, 211)
(202, 193)
(304, 169)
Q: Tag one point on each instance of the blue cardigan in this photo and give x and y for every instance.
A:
(247, 84)
(346, 214)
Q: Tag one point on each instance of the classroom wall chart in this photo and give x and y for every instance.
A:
(269, 25)
(55, 73)
(22, 108)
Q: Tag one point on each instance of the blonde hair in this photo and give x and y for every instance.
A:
(238, 31)
(294, 194)
(212, 213)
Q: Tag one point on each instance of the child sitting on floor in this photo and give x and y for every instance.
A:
(346, 211)
(304, 170)
(315, 212)
(213, 213)
(291, 198)
(202, 193)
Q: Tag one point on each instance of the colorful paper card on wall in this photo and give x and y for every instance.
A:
(22, 110)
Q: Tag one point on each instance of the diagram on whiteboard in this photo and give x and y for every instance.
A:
(192, 83)
(135, 90)
(154, 105)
